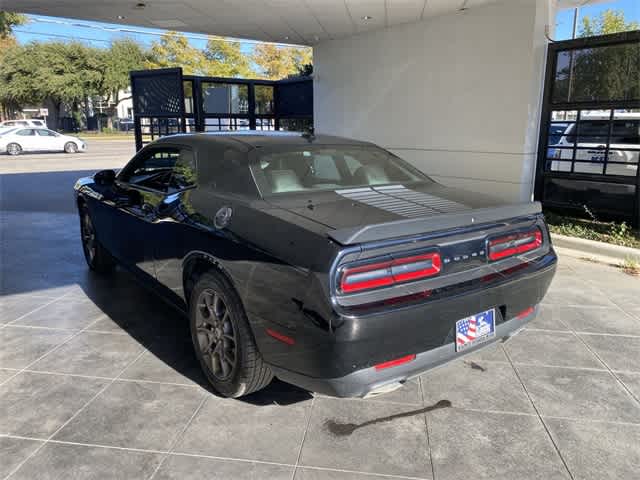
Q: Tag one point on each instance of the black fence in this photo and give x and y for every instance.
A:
(166, 102)
(589, 147)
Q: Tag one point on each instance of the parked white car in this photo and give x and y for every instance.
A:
(591, 143)
(18, 140)
(23, 123)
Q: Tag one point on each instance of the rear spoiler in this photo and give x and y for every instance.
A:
(415, 226)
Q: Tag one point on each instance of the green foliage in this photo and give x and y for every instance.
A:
(226, 59)
(122, 57)
(173, 50)
(631, 265)
(593, 229)
(275, 62)
(69, 73)
(601, 73)
(609, 21)
(64, 72)
(8, 20)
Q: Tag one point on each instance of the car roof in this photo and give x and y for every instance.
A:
(250, 139)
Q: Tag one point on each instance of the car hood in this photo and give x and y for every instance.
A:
(344, 208)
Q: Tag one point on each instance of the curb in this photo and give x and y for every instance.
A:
(605, 252)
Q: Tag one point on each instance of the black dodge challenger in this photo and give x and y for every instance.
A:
(327, 262)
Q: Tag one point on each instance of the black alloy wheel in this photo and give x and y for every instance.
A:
(97, 257)
(222, 338)
(216, 336)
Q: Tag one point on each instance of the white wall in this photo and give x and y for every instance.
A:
(457, 95)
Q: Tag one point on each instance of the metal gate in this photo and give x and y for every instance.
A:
(589, 145)
(166, 102)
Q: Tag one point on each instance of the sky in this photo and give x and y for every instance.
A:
(101, 34)
(564, 19)
(97, 34)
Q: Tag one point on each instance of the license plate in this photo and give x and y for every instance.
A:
(475, 329)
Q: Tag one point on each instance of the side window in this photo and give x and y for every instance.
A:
(45, 133)
(166, 170)
(184, 171)
(26, 132)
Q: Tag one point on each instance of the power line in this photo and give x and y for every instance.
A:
(192, 36)
(57, 35)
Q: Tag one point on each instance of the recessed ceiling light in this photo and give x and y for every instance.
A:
(121, 17)
(286, 37)
(366, 17)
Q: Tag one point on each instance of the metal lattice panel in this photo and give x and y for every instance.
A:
(158, 94)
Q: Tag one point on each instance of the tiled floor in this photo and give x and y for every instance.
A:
(98, 381)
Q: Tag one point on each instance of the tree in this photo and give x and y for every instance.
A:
(226, 59)
(609, 21)
(275, 62)
(8, 20)
(64, 73)
(173, 50)
(121, 58)
(604, 73)
(7, 41)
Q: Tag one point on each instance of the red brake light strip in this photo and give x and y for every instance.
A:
(514, 244)
(390, 272)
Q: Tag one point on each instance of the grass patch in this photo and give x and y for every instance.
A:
(593, 229)
(631, 266)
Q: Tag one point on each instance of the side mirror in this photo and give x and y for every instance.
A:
(105, 177)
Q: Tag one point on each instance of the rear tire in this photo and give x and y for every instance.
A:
(70, 147)
(97, 257)
(14, 149)
(223, 340)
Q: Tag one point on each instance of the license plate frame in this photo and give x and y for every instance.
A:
(475, 329)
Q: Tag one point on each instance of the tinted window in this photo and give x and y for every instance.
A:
(603, 73)
(26, 132)
(37, 123)
(167, 170)
(325, 167)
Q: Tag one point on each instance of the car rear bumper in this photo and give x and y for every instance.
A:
(369, 381)
(342, 362)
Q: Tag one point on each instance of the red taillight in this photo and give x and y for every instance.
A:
(395, 363)
(514, 244)
(390, 272)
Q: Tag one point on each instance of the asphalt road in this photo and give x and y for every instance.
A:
(43, 182)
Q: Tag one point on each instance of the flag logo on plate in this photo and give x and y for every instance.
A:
(475, 329)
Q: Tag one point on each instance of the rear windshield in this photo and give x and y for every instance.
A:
(297, 169)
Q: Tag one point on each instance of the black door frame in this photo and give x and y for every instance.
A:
(548, 106)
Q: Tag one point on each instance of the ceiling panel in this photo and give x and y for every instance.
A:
(333, 16)
(404, 11)
(286, 21)
(440, 7)
(361, 10)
